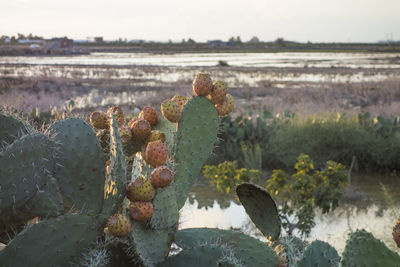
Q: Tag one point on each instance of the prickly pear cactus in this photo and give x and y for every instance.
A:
(152, 241)
(11, 128)
(80, 169)
(115, 184)
(53, 242)
(195, 139)
(319, 253)
(202, 256)
(363, 249)
(24, 168)
(248, 250)
(261, 208)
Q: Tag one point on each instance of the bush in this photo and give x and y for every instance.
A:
(299, 194)
(226, 176)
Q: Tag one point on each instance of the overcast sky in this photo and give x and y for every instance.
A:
(161, 20)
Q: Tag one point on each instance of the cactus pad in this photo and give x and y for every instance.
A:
(24, 167)
(80, 172)
(10, 129)
(195, 139)
(201, 256)
(53, 242)
(319, 253)
(363, 249)
(261, 209)
(250, 251)
(115, 184)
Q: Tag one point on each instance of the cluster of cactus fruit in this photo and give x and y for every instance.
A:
(113, 192)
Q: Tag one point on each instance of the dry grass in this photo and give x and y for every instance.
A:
(96, 87)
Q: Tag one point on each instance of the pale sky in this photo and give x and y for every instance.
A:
(161, 20)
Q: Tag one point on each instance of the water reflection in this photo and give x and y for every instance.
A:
(206, 207)
(279, 60)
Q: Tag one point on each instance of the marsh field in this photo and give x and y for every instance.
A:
(307, 84)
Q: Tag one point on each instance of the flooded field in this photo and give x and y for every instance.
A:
(375, 207)
(281, 60)
(302, 82)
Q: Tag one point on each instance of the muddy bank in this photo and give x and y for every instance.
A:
(302, 90)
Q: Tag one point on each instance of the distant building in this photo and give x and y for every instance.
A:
(29, 41)
(7, 40)
(98, 39)
(59, 43)
(219, 43)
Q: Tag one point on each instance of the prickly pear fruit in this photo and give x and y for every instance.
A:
(170, 110)
(156, 153)
(202, 84)
(98, 120)
(150, 114)
(226, 107)
(140, 128)
(132, 121)
(180, 100)
(126, 135)
(161, 176)
(218, 92)
(156, 135)
(396, 233)
(140, 190)
(119, 225)
(118, 113)
(141, 211)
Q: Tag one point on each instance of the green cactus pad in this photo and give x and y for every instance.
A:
(53, 242)
(80, 172)
(201, 256)
(195, 139)
(115, 184)
(261, 209)
(152, 246)
(169, 129)
(10, 129)
(248, 250)
(165, 213)
(47, 202)
(24, 167)
(363, 249)
(319, 253)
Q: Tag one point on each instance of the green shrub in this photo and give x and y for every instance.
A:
(299, 194)
(226, 176)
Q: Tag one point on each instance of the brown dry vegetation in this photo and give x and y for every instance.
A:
(306, 91)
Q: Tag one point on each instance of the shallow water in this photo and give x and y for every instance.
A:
(377, 212)
(281, 60)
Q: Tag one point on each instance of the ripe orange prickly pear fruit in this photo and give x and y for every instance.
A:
(141, 211)
(170, 110)
(140, 128)
(98, 120)
(180, 100)
(161, 176)
(140, 190)
(119, 225)
(118, 113)
(156, 135)
(126, 135)
(218, 92)
(150, 114)
(227, 106)
(202, 84)
(132, 121)
(396, 233)
(156, 153)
